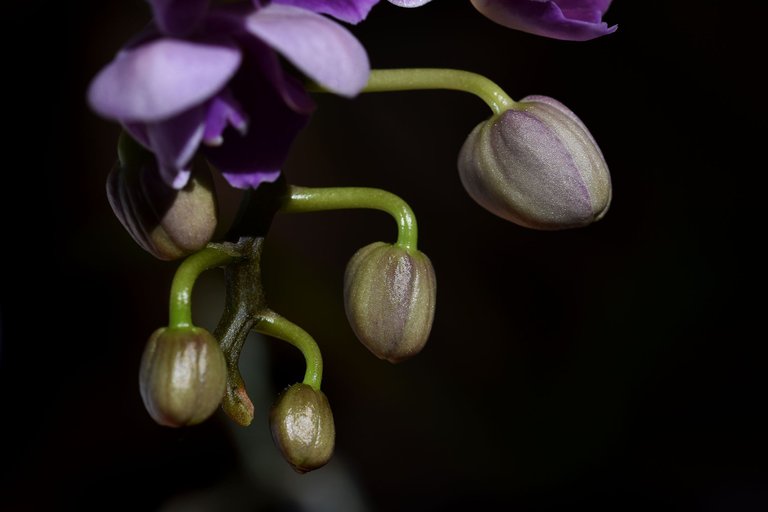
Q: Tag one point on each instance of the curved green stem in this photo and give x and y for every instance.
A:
(385, 80)
(305, 199)
(180, 308)
(382, 80)
(278, 327)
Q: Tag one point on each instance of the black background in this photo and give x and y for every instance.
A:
(612, 367)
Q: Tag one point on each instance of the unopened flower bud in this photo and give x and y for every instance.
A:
(389, 296)
(538, 166)
(167, 223)
(183, 376)
(302, 427)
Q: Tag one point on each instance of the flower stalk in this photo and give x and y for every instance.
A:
(246, 309)
(414, 79)
(305, 199)
(386, 80)
(180, 307)
(278, 327)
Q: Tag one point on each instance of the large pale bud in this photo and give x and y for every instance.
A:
(167, 223)
(389, 297)
(302, 427)
(538, 166)
(183, 376)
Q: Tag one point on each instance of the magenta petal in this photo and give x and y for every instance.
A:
(351, 11)
(319, 47)
(570, 20)
(160, 79)
(178, 17)
(174, 143)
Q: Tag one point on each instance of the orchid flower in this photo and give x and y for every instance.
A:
(205, 79)
(208, 78)
(570, 20)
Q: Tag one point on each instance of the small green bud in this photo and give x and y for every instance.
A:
(389, 296)
(183, 376)
(302, 427)
(538, 166)
(167, 223)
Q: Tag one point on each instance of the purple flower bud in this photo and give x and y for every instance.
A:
(538, 166)
(167, 223)
(302, 427)
(389, 296)
(183, 376)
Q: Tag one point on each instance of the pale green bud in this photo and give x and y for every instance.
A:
(538, 166)
(183, 376)
(302, 427)
(389, 296)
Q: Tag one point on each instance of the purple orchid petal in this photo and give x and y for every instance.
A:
(223, 110)
(178, 17)
(585, 5)
(590, 11)
(270, 99)
(261, 59)
(319, 47)
(570, 20)
(245, 180)
(174, 143)
(138, 131)
(409, 3)
(161, 79)
(351, 11)
(247, 161)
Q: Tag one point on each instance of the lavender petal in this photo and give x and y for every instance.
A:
(351, 11)
(570, 20)
(162, 78)
(174, 143)
(178, 17)
(319, 47)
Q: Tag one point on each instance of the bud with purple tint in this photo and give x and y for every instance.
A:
(389, 297)
(538, 166)
(167, 223)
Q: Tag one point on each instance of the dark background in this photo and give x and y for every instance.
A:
(613, 367)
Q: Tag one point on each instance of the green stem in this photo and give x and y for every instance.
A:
(386, 80)
(305, 199)
(278, 327)
(180, 309)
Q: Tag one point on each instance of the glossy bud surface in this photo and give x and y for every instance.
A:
(302, 427)
(182, 376)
